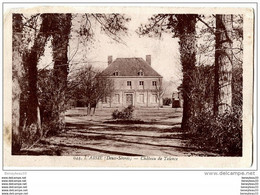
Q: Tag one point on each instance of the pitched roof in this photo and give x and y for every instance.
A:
(130, 67)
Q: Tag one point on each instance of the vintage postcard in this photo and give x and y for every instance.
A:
(128, 87)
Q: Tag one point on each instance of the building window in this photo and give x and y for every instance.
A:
(154, 98)
(129, 83)
(117, 98)
(154, 83)
(141, 83)
(141, 98)
(140, 73)
(116, 73)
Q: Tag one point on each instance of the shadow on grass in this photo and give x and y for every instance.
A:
(137, 122)
(130, 121)
(91, 149)
(123, 128)
(109, 137)
(178, 136)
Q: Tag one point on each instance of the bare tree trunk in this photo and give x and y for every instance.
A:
(94, 110)
(223, 65)
(16, 75)
(88, 109)
(30, 60)
(61, 31)
(187, 42)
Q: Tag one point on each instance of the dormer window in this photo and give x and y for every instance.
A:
(116, 73)
(140, 73)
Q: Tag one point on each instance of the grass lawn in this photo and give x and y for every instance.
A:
(159, 134)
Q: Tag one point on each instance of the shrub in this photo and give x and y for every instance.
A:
(126, 113)
(222, 133)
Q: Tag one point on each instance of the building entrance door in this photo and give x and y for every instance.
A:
(129, 99)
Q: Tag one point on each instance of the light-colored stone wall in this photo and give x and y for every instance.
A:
(143, 95)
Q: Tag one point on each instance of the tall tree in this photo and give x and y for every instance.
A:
(60, 41)
(16, 75)
(223, 37)
(183, 26)
(223, 64)
(186, 29)
(31, 58)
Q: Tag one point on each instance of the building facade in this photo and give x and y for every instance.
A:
(136, 83)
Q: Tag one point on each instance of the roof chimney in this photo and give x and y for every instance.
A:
(109, 59)
(148, 59)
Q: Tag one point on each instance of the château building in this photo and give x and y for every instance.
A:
(135, 83)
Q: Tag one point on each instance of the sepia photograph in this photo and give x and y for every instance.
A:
(130, 85)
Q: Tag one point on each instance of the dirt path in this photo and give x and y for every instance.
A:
(89, 135)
